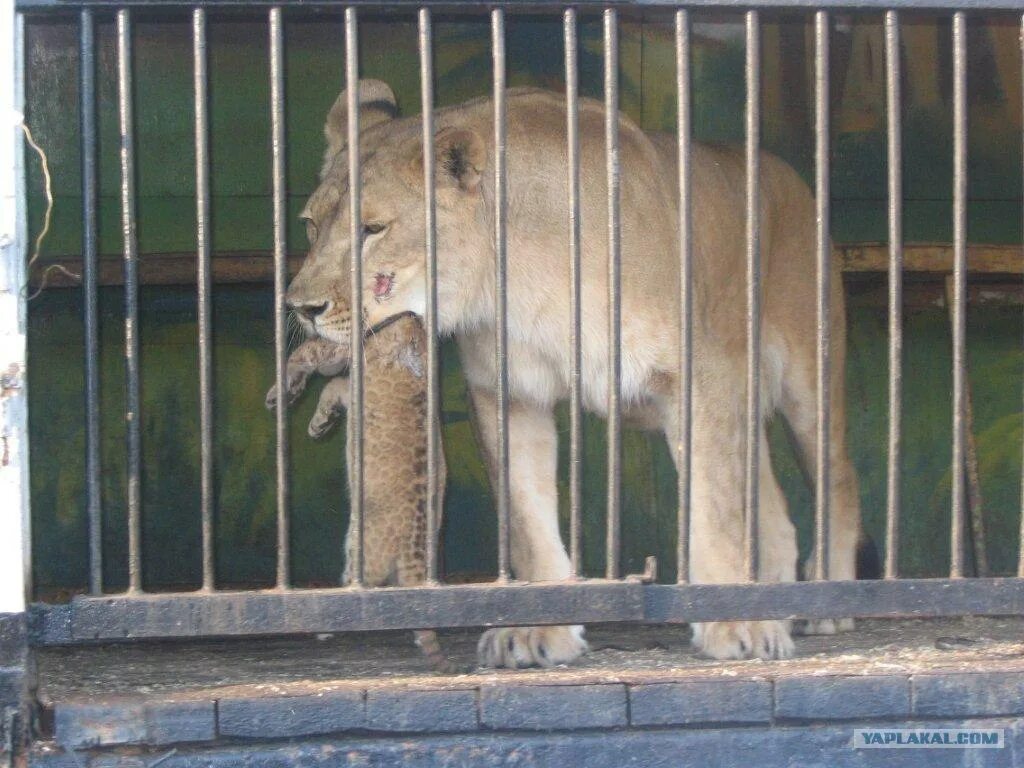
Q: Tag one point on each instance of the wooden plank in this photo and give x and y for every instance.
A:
(933, 259)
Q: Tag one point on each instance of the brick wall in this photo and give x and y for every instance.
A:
(743, 722)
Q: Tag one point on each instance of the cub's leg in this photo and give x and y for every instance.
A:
(332, 403)
(536, 546)
(717, 516)
(312, 356)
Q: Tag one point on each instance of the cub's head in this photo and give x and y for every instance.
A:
(392, 219)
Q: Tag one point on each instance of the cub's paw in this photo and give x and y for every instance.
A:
(329, 408)
(743, 640)
(295, 383)
(517, 647)
(825, 626)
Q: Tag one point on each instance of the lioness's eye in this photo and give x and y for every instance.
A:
(372, 229)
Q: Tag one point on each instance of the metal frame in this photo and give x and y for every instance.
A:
(209, 612)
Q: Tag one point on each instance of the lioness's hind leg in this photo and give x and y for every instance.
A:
(798, 405)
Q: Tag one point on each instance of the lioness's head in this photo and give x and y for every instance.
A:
(393, 219)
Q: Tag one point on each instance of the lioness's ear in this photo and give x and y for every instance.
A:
(461, 157)
(376, 104)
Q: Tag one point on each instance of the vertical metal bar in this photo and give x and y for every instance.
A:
(204, 290)
(611, 136)
(355, 412)
(894, 105)
(822, 197)
(430, 317)
(501, 287)
(572, 129)
(956, 567)
(277, 142)
(131, 298)
(685, 130)
(1020, 545)
(753, 254)
(90, 290)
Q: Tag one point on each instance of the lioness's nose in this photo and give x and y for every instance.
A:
(310, 311)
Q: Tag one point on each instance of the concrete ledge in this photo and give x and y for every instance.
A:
(760, 746)
(291, 716)
(706, 701)
(842, 698)
(497, 705)
(553, 707)
(422, 711)
(135, 722)
(955, 695)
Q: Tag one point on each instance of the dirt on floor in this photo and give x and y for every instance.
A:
(619, 653)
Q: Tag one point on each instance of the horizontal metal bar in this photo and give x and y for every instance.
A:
(276, 612)
(897, 598)
(978, 5)
(343, 610)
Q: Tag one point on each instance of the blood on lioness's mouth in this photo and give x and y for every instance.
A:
(383, 285)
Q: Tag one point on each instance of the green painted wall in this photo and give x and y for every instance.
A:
(243, 334)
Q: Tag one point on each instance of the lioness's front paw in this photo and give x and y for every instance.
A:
(743, 639)
(516, 647)
(825, 626)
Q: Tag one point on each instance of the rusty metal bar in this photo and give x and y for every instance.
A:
(90, 295)
(430, 316)
(204, 290)
(894, 144)
(501, 288)
(683, 445)
(753, 258)
(278, 150)
(133, 399)
(611, 135)
(572, 130)
(956, 567)
(355, 411)
(822, 197)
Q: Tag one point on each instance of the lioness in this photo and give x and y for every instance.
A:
(391, 153)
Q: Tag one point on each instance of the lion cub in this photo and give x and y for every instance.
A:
(394, 449)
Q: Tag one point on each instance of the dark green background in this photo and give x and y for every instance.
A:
(243, 331)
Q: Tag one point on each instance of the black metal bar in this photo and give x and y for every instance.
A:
(685, 131)
(572, 130)
(277, 128)
(356, 372)
(430, 317)
(221, 614)
(894, 143)
(981, 5)
(90, 295)
(611, 136)
(204, 290)
(1020, 538)
(822, 196)
(753, 254)
(133, 398)
(501, 289)
(956, 567)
